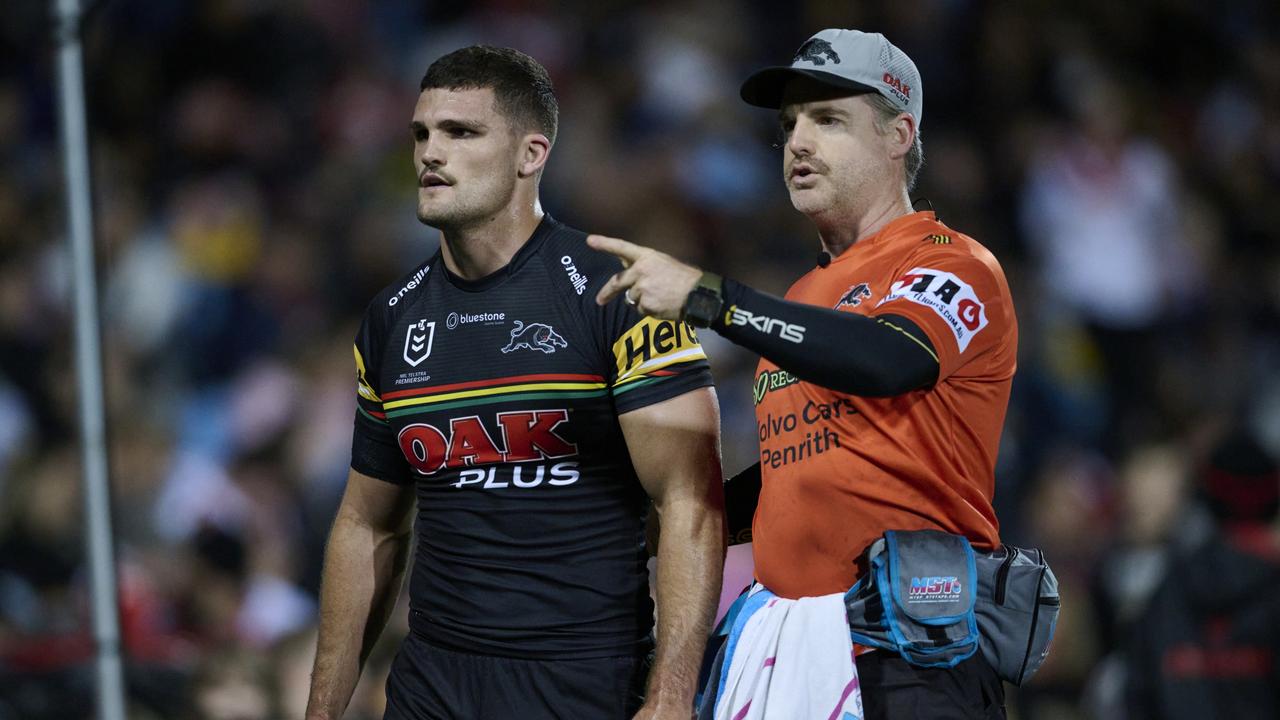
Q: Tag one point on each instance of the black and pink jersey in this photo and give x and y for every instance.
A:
(499, 399)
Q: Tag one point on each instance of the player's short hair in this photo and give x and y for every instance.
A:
(886, 113)
(521, 86)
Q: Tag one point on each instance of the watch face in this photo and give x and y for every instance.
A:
(702, 307)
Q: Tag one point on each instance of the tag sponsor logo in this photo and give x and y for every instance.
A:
(953, 299)
(418, 340)
(414, 282)
(577, 279)
(767, 325)
(526, 436)
(934, 589)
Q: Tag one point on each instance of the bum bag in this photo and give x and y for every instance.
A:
(929, 597)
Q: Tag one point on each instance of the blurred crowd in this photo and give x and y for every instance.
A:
(254, 189)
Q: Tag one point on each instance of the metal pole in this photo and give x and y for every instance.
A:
(97, 494)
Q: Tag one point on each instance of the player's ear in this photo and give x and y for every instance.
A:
(534, 150)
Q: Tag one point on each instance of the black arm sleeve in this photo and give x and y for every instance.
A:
(868, 356)
(741, 494)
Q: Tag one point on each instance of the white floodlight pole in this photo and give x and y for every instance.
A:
(88, 352)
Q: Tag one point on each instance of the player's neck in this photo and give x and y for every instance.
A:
(840, 233)
(482, 248)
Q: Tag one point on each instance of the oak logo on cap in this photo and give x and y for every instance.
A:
(816, 51)
(896, 83)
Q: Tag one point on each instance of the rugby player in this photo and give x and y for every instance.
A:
(534, 427)
(885, 372)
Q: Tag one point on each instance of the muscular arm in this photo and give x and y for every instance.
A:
(850, 353)
(363, 567)
(675, 448)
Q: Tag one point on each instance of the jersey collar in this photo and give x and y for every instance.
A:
(545, 227)
(894, 228)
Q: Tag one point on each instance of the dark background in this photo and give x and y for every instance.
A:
(254, 189)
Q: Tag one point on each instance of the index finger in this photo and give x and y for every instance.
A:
(627, 252)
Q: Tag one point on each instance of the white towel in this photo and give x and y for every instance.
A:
(789, 660)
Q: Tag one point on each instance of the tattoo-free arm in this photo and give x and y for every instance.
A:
(364, 565)
(675, 448)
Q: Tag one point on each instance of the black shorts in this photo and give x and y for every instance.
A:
(893, 689)
(428, 682)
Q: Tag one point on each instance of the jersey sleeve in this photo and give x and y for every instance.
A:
(374, 449)
(959, 298)
(650, 360)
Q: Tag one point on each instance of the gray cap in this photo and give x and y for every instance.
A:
(861, 62)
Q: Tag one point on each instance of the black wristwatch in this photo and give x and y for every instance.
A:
(703, 305)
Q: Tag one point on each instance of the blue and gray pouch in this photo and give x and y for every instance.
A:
(930, 598)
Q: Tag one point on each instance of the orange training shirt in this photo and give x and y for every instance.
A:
(838, 470)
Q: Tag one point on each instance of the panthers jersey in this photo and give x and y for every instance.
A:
(499, 399)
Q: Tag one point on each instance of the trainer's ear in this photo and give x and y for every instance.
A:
(901, 135)
(535, 150)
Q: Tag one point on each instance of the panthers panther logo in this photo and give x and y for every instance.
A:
(534, 336)
(817, 52)
(854, 296)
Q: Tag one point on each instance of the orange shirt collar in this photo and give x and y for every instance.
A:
(893, 228)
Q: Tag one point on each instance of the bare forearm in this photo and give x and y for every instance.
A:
(363, 569)
(690, 562)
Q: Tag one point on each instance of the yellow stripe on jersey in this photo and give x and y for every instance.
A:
(652, 344)
(362, 383)
(500, 390)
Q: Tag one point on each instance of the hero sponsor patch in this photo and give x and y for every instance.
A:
(947, 295)
(652, 344)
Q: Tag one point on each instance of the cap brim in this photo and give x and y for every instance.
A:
(765, 87)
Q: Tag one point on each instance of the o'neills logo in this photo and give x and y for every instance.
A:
(413, 283)
(578, 280)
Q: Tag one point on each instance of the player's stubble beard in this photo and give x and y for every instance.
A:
(469, 207)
